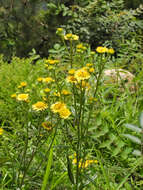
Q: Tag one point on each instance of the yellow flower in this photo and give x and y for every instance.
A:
(101, 49)
(91, 70)
(39, 106)
(13, 95)
(40, 79)
(75, 37)
(59, 29)
(89, 64)
(74, 161)
(1, 131)
(111, 51)
(57, 94)
(65, 92)
(71, 71)
(57, 107)
(48, 80)
(81, 74)
(47, 125)
(64, 113)
(22, 84)
(71, 37)
(23, 97)
(71, 79)
(47, 90)
(80, 46)
(52, 61)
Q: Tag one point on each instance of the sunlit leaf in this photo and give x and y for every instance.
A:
(137, 152)
(133, 138)
(133, 128)
(141, 120)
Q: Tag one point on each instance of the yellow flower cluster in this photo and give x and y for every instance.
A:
(80, 48)
(52, 61)
(71, 37)
(71, 79)
(1, 131)
(22, 97)
(101, 49)
(60, 107)
(81, 74)
(84, 164)
(22, 84)
(39, 106)
(48, 80)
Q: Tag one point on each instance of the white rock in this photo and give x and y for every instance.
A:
(119, 76)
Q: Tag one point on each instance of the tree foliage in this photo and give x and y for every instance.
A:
(28, 24)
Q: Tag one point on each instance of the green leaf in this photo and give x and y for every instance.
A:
(48, 168)
(101, 133)
(70, 174)
(133, 128)
(58, 181)
(141, 120)
(120, 143)
(106, 144)
(125, 153)
(116, 151)
(89, 180)
(133, 138)
(136, 152)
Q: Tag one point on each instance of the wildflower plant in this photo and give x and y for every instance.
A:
(60, 101)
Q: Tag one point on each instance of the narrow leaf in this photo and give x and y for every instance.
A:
(59, 180)
(90, 179)
(133, 128)
(141, 120)
(137, 152)
(133, 138)
(49, 164)
(116, 151)
(70, 174)
(125, 153)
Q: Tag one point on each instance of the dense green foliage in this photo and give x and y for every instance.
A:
(32, 24)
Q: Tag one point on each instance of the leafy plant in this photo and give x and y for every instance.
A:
(135, 139)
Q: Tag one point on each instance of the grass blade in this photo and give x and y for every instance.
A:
(49, 164)
(59, 180)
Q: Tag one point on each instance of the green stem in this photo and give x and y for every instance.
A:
(101, 68)
(37, 169)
